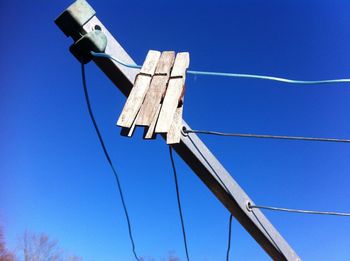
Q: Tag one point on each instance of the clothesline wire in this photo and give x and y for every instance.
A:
(253, 76)
(265, 136)
(301, 211)
(232, 75)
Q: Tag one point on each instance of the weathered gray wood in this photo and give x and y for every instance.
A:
(182, 61)
(165, 63)
(174, 134)
(156, 89)
(169, 105)
(128, 132)
(193, 151)
(149, 131)
(173, 92)
(138, 92)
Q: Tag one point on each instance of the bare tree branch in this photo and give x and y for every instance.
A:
(5, 255)
(39, 247)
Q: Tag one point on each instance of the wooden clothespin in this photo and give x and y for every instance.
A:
(132, 106)
(156, 100)
(151, 106)
(170, 117)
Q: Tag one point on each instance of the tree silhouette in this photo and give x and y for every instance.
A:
(5, 255)
(39, 247)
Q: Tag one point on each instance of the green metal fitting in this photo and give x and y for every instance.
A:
(93, 41)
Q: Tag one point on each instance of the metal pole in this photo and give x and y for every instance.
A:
(79, 19)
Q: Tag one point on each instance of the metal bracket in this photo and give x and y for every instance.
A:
(71, 22)
(93, 41)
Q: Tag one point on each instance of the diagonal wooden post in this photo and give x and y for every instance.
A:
(80, 19)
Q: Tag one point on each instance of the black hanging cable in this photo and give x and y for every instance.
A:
(179, 201)
(225, 187)
(178, 197)
(108, 159)
(229, 239)
(263, 136)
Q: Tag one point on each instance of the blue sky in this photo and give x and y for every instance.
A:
(55, 179)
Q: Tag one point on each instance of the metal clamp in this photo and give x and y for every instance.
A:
(93, 41)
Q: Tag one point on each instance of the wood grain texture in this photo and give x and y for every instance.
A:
(174, 134)
(181, 64)
(156, 89)
(138, 92)
(149, 131)
(173, 93)
(165, 63)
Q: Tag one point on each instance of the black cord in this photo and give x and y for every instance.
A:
(178, 201)
(222, 183)
(227, 190)
(229, 239)
(108, 159)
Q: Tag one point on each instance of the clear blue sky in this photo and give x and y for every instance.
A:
(55, 179)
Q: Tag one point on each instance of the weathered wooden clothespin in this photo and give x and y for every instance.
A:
(138, 92)
(156, 100)
(151, 106)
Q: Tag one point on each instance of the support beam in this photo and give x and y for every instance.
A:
(191, 149)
